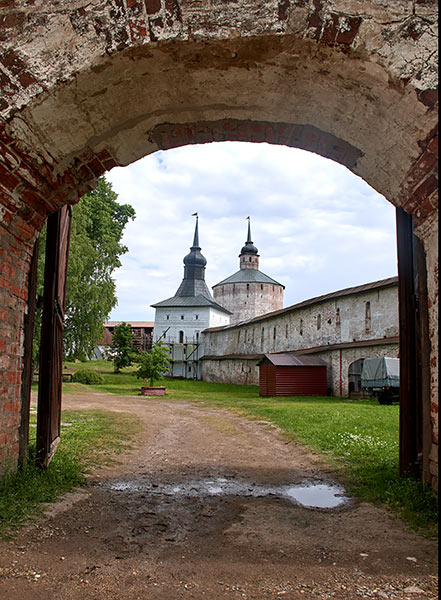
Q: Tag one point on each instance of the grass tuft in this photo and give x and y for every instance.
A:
(87, 438)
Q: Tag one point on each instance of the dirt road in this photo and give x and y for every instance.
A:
(203, 508)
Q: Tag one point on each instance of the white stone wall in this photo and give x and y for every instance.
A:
(369, 316)
(245, 371)
(248, 300)
(190, 320)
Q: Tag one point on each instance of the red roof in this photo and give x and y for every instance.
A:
(292, 360)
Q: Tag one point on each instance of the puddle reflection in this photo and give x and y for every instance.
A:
(308, 494)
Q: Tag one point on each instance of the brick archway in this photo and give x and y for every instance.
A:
(89, 87)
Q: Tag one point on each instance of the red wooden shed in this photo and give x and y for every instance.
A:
(292, 375)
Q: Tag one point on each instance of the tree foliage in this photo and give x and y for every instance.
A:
(123, 351)
(98, 223)
(154, 364)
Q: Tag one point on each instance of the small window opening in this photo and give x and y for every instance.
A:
(319, 321)
(181, 337)
(337, 318)
(301, 327)
(182, 317)
(367, 318)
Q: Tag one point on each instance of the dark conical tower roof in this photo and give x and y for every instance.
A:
(193, 283)
(249, 247)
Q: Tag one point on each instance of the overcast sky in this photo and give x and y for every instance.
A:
(318, 227)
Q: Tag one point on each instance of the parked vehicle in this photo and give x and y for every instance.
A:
(380, 377)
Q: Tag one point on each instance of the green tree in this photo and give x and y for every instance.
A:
(98, 223)
(123, 351)
(154, 364)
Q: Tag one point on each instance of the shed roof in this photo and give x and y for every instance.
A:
(292, 360)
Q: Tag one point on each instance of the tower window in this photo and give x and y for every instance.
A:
(319, 321)
(248, 286)
(182, 317)
(261, 286)
(337, 318)
(250, 258)
(196, 317)
(274, 333)
(181, 337)
(167, 317)
(301, 327)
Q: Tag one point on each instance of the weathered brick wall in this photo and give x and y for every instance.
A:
(87, 86)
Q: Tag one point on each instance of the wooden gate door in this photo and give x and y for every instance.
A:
(51, 351)
(415, 429)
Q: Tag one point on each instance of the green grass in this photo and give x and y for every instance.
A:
(357, 438)
(87, 438)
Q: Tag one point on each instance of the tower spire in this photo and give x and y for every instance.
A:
(196, 231)
(249, 241)
(249, 255)
(193, 283)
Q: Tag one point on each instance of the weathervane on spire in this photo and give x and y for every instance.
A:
(196, 231)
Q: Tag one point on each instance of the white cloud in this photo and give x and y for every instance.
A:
(318, 227)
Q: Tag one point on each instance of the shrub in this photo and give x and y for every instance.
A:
(154, 364)
(88, 377)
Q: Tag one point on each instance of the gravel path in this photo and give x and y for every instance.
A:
(203, 508)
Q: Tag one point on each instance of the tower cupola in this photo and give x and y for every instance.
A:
(249, 257)
(193, 283)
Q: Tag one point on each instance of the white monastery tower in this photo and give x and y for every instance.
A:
(249, 292)
(179, 320)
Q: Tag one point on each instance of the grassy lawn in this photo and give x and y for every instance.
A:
(358, 438)
(87, 438)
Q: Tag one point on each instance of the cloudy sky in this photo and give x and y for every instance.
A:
(318, 227)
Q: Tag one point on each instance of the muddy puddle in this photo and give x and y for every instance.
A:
(307, 494)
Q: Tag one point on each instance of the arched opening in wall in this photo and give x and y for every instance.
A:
(369, 234)
(110, 136)
(354, 378)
